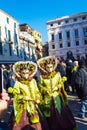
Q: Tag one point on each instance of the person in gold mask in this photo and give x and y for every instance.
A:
(26, 97)
(54, 105)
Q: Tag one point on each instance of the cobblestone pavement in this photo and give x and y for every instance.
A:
(74, 104)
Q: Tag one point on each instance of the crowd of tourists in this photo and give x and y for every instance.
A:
(39, 93)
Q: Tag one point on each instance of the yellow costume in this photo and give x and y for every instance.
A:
(26, 98)
(54, 103)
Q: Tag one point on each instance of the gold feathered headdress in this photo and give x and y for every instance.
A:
(22, 68)
(43, 62)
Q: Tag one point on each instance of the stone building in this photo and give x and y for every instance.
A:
(67, 36)
(45, 49)
(18, 42)
(27, 43)
(38, 40)
(9, 38)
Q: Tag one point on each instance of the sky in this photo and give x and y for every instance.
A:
(37, 12)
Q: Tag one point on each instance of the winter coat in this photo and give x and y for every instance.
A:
(81, 82)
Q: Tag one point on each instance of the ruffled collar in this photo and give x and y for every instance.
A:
(50, 75)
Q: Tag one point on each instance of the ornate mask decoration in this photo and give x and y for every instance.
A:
(25, 69)
(47, 64)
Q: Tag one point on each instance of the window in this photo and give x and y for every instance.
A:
(0, 31)
(40, 36)
(77, 43)
(1, 48)
(16, 40)
(14, 25)
(68, 35)
(74, 19)
(85, 42)
(10, 49)
(66, 21)
(52, 37)
(51, 25)
(17, 51)
(61, 45)
(53, 46)
(60, 36)
(36, 40)
(84, 17)
(29, 49)
(85, 32)
(68, 44)
(59, 23)
(76, 33)
(6, 32)
(9, 35)
(7, 20)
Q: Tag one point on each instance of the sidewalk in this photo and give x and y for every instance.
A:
(74, 104)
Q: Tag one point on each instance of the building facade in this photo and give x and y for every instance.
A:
(45, 49)
(67, 36)
(38, 40)
(27, 43)
(9, 38)
(18, 42)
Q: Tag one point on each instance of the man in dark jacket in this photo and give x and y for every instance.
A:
(81, 86)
